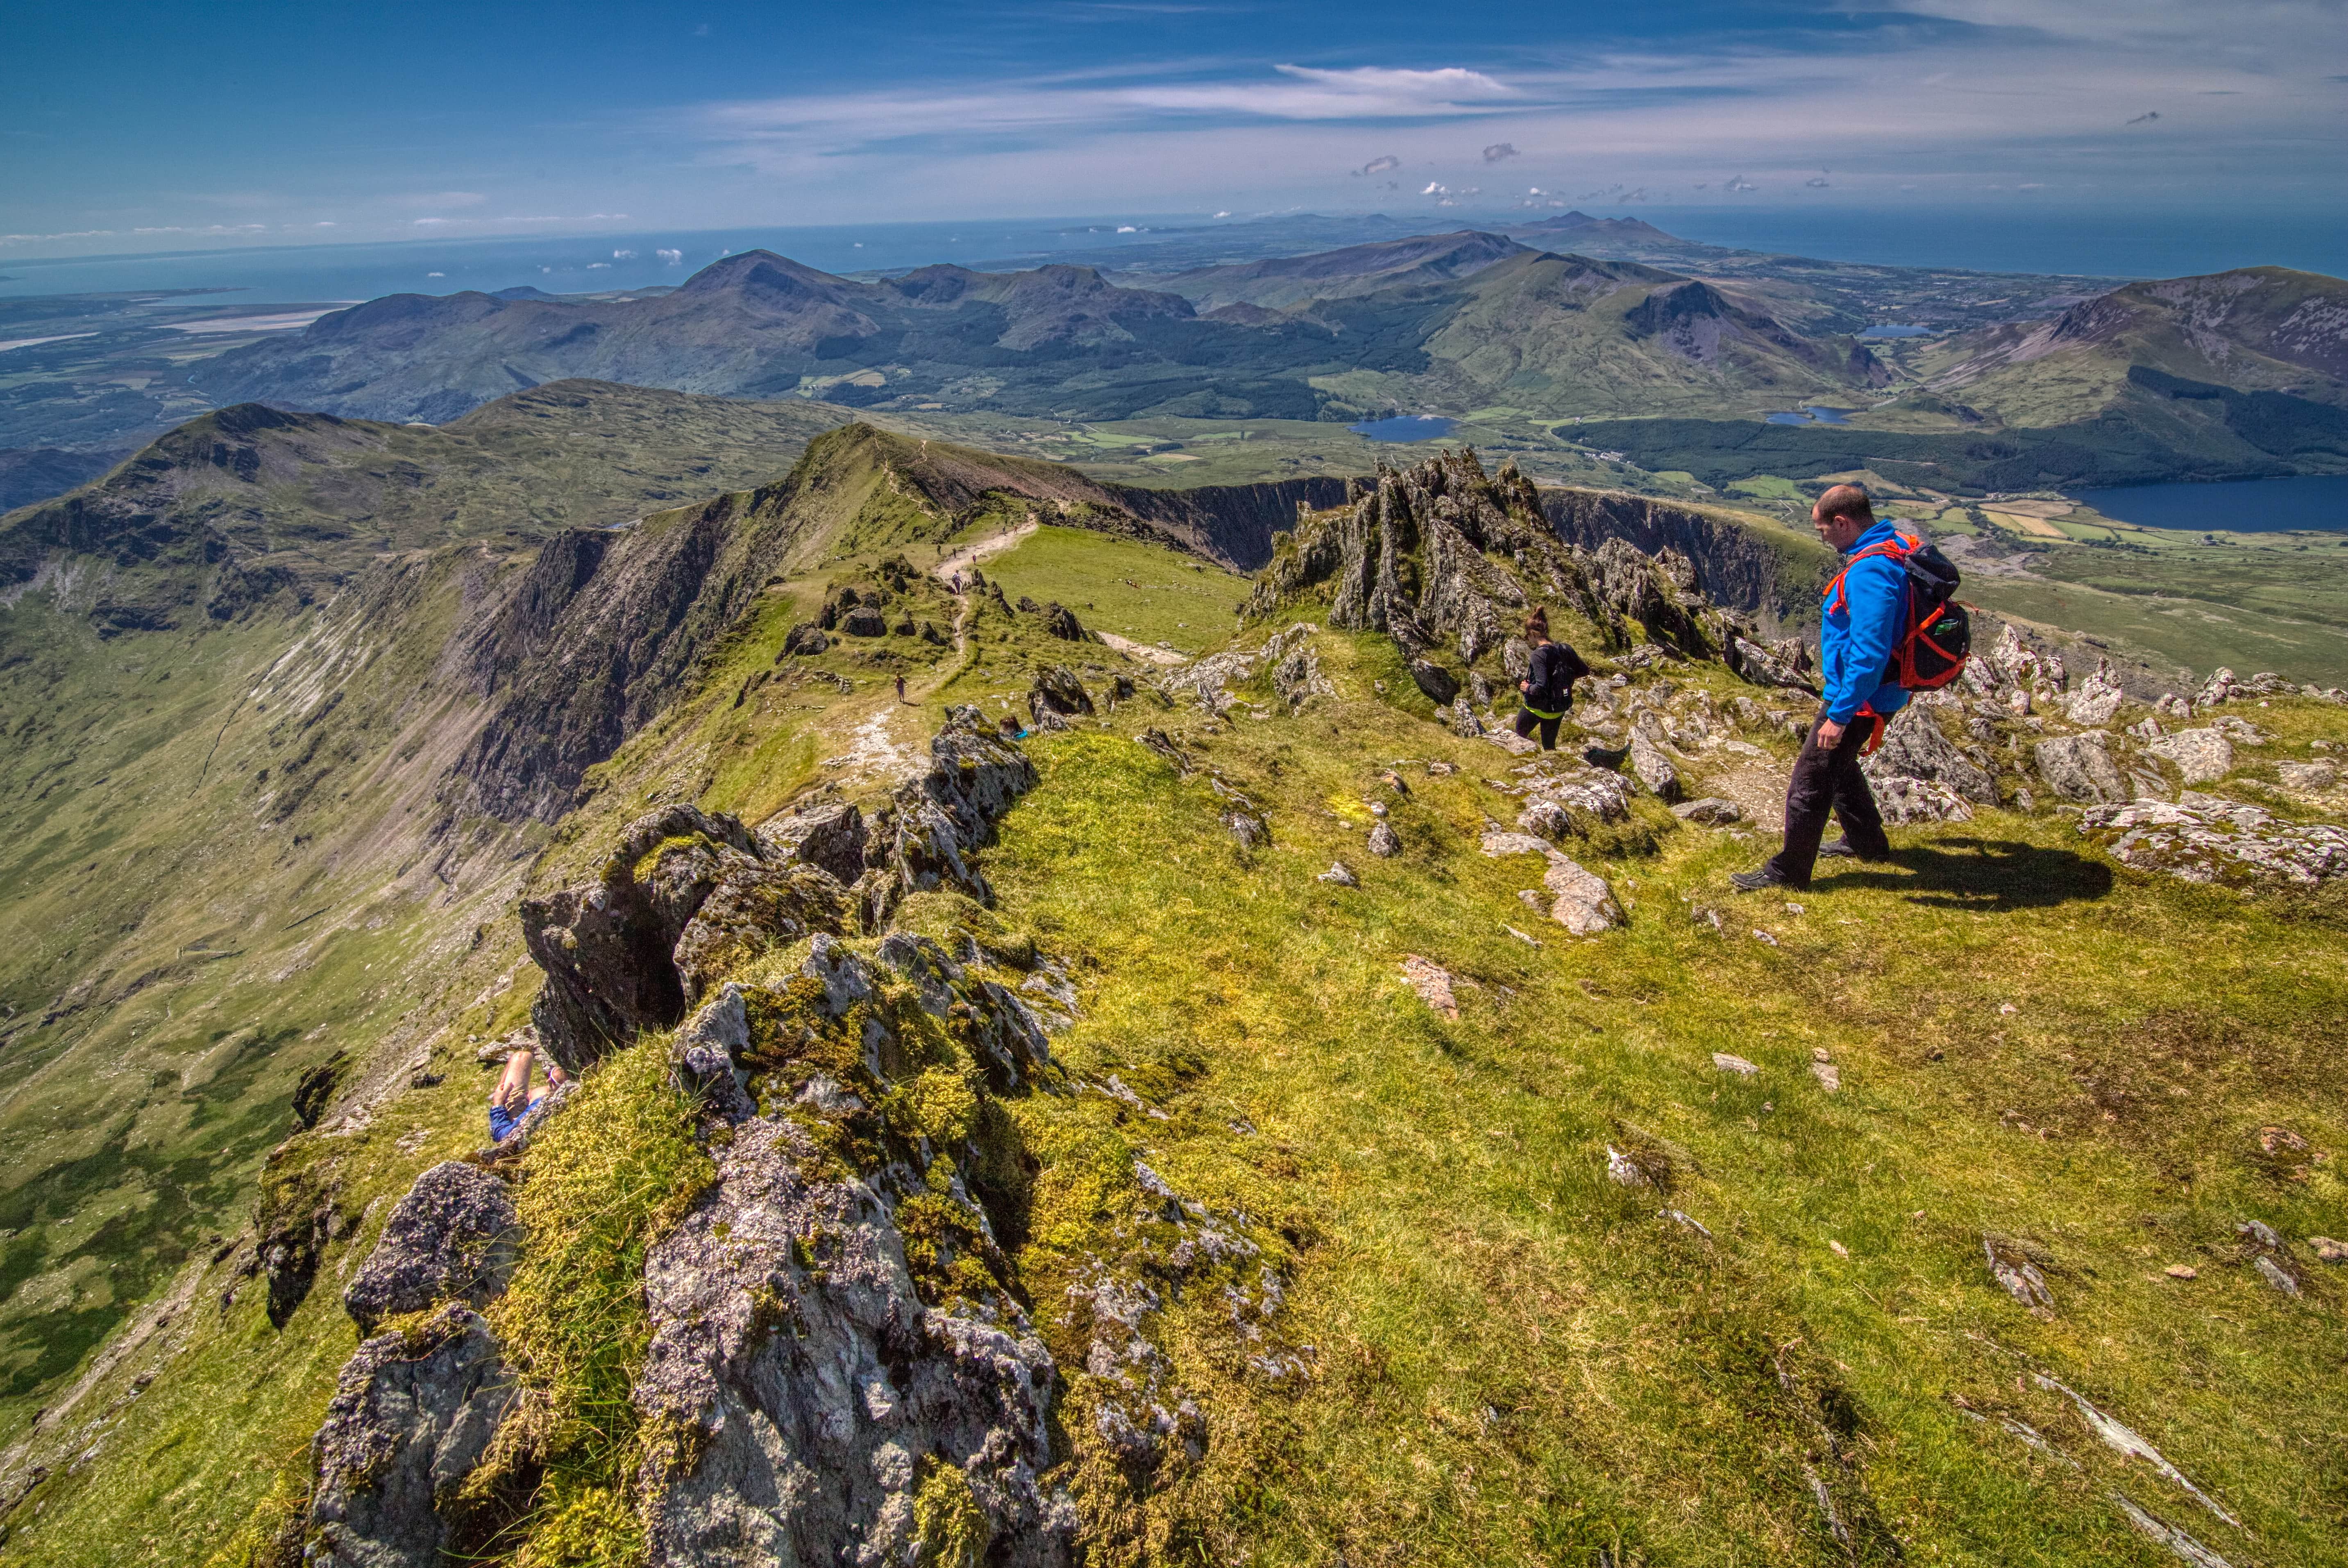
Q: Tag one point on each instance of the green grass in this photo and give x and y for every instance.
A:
(1517, 1362)
(1144, 591)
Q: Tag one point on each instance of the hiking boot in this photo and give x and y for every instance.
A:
(1768, 876)
(1842, 849)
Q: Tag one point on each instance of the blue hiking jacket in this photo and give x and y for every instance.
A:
(1860, 630)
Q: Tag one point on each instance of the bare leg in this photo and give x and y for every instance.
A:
(513, 1086)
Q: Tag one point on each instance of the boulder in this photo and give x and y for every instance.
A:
(1382, 842)
(806, 1446)
(2200, 756)
(864, 621)
(2309, 776)
(1904, 800)
(2080, 767)
(1654, 769)
(1432, 983)
(755, 909)
(451, 1238)
(805, 640)
(1712, 811)
(1061, 621)
(829, 836)
(1339, 874)
(1439, 684)
(1057, 690)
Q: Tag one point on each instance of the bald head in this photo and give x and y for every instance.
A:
(1841, 515)
(1845, 501)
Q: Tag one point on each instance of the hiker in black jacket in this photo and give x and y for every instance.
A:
(1548, 685)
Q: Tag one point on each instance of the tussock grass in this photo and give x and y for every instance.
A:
(598, 1185)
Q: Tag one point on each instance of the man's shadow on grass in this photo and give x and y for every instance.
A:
(1985, 874)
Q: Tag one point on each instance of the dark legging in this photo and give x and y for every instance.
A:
(1528, 720)
(1829, 779)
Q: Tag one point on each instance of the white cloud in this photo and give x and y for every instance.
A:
(671, 258)
(623, 255)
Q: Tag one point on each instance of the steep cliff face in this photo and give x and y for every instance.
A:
(1733, 564)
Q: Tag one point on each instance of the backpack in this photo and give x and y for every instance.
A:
(1938, 634)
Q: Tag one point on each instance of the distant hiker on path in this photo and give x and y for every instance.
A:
(1548, 685)
(510, 1101)
(901, 687)
(1864, 620)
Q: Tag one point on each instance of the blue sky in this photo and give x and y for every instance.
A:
(128, 128)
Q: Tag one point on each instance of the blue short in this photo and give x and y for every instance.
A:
(503, 1121)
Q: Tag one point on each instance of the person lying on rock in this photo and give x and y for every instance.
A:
(1865, 616)
(510, 1101)
(1548, 685)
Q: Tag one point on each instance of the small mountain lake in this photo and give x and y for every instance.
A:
(2240, 506)
(1886, 329)
(1406, 428)
(1812, 414)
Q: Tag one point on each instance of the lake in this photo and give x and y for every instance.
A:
(1812, 414)
(2241, 506)
(1885, 329)
(1406, 428)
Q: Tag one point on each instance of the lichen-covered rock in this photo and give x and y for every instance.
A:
(1905, 801)
(1382, 842)
(1712, 811)
(2098, 698)
(2080, 767)
(605, 948)
(2314, 776)
(754, 909)
(864, 621)
(1653, 769)
(411, 1418)
(2200, 756)
(1057, 690)
(1583, 902)
(805, 640)
(1061, 621)
(829, 836)
(2202, 838)
(810, 1384)
(450, 1238)
(1915, 747)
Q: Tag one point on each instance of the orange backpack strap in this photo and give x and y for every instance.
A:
(1897, 546)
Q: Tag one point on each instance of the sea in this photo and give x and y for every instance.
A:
(2118, 244)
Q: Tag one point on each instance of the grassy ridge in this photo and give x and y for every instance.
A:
(1518, 1361)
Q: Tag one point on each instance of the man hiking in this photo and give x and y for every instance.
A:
(1864, 617)
(1548, 685)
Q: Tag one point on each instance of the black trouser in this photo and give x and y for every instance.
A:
(1526, 720)
(1828, 780)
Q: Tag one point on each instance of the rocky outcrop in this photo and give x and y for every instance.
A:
(412, 1417)
(2203, 839)
(687, 896)
(451, 1238)
(1446, 559)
